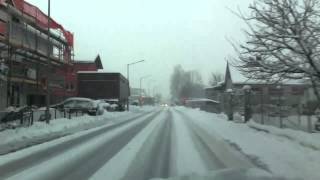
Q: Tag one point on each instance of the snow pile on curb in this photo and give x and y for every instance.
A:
(41, 129)
(277, 154)
(13, 139)
(303, 138)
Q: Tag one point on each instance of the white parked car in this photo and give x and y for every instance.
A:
(76, 104)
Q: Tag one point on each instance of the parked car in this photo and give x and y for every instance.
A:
(135, 103)
(115, 105)
(76, 104)
(102, 106)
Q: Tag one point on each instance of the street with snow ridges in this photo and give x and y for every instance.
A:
(164, 143)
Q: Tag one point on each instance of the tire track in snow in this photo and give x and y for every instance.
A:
(129, 162)
(207, 157)
(212, 162)
(221, 151)
(153, 161)
(46, 154)
(187, 159)
(98, 158)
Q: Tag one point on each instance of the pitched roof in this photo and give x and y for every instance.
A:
(97, 62)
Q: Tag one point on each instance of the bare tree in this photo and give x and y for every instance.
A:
(215, 78)
(283, 41)
(185, 84)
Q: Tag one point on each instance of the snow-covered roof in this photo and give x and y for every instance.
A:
(202, 100)
(219, 85)
(285, 82)
(94, 72)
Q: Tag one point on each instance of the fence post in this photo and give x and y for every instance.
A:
(69, 114)
(309, 123)
(32, 118)
(21, 118)
(55, 113)
(299, 114)
(262, 107)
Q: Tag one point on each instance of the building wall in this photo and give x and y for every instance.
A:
(26, 62)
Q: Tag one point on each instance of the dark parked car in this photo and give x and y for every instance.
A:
(83, 105)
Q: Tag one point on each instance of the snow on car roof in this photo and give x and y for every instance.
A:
(79, 99)
(112, 100)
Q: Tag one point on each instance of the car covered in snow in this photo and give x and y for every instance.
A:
(77, 104)
(115, 104)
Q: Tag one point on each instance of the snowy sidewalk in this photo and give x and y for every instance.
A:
(285, 153)
(15, 139)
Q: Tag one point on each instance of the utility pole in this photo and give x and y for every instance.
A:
(48, 115)
(128, 72)
(129, 93)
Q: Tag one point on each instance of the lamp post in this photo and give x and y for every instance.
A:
(128, 76)
(247, 104)
(142, 78)
(47, 113)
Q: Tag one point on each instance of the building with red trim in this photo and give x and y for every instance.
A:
(28, 57)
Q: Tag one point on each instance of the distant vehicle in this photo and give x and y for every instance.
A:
(164, 105)
(76, 104)
(135, 103)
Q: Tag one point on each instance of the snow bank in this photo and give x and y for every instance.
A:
(303, 138)
(13, 139)
(70, 158)
(280, 155)
(229, 174)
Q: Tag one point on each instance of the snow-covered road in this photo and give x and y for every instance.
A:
(162, 144)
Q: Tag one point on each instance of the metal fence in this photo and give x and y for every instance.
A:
(274, 110)
(27, 116)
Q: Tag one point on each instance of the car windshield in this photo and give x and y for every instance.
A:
(159, 89)
(69, 104)
(84, 104)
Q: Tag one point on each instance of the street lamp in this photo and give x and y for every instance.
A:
(142, 78)
(247, 105)
(128, 76)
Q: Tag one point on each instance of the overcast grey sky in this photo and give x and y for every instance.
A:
(165, 33)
